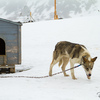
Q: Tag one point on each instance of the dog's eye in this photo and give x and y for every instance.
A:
(91, 68)
(87, 69)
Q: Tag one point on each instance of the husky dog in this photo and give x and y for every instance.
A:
(74, 53)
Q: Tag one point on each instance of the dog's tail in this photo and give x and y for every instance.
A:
(60, 62)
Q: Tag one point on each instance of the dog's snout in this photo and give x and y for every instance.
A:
(89, 74)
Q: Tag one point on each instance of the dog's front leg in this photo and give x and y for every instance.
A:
(72, 70)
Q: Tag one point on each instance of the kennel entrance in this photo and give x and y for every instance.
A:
(2, 52)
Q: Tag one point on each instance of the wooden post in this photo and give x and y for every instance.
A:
(55, 12)
(31, 18)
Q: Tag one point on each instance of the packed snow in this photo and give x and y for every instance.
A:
(38, 42)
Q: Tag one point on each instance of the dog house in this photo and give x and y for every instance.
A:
(10, 44)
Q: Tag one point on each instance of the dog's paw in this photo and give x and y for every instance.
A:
(74, 78)
(66, 75)
(50, 74)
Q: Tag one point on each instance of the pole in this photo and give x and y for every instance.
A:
(55, 12)
(30, 16)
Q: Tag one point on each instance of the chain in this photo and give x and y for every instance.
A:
(40, 76)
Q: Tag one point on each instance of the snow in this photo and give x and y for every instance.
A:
(38, 42)
(44, 9)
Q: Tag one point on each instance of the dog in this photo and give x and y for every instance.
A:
(74, 53)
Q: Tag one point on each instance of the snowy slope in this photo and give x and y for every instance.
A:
(44, 9)
(38, 41)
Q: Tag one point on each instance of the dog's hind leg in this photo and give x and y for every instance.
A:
(51, 66)
(65, 62)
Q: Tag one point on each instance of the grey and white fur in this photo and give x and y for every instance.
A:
(65, 52)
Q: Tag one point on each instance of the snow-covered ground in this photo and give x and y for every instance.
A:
(38, 42)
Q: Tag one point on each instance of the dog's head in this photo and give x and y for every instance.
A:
(88, 65)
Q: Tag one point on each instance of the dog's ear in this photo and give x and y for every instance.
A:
(85, 59)
(93, 59)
